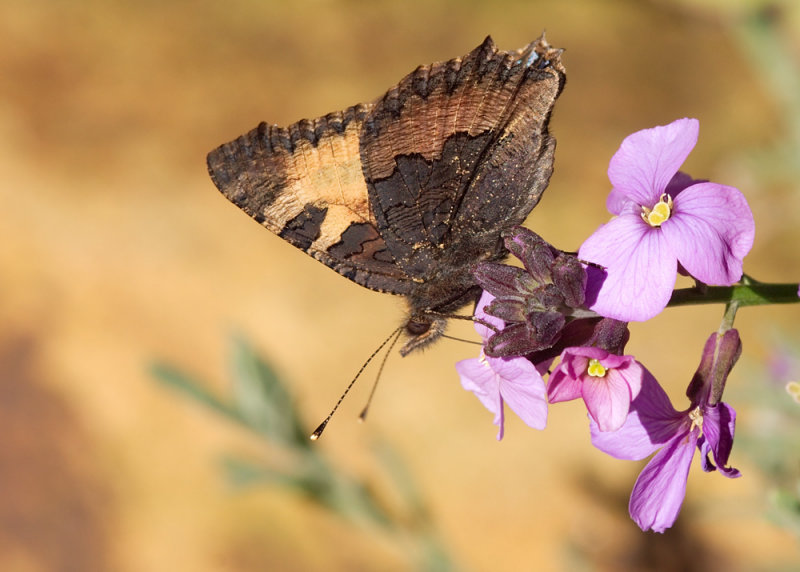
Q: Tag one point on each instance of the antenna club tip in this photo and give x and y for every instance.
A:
(318, 431)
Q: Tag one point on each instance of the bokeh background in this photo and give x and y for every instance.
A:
(117, 251)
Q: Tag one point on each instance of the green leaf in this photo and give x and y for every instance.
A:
(263, 400)
(175, 379)
(242, 473)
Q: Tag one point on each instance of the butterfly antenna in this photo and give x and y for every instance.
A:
(462, 340)
(363, 416)
(471, 318)
(318, 431)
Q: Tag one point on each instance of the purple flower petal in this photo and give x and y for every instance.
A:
(500, 421)
(711, 230)
(480, 379)
(659, 491)
(648, 159)
(680, 182)
(705, 451)
(630, 442)
(480, 312)
(719, 425)
(640, 272)
(633, 372)
(564, 383)
(651, 422)
(617, 202)
(656, 411)
(607, 399)
(608, 359)
(497, 380)
(522, 389)
(543, 366)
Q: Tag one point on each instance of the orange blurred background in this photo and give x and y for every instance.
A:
(118, 250)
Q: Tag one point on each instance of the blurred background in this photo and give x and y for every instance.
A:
(118, 252)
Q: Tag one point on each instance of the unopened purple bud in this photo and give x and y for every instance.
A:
(604, 333)
(513, 340)
(569, 276)
(507, 309)
(500, 280)
(534, 252)
(546, 326)
(719, 356)
(540, 332)
(546, 297)
(611, 335)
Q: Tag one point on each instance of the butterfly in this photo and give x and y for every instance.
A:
(406, 193)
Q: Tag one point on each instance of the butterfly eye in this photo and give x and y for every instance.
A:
(417, 328)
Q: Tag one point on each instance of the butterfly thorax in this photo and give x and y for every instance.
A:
(448, 288)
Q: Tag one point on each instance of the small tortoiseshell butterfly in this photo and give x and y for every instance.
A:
(405, 194)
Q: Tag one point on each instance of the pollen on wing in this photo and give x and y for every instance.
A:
(660, 212)
(595, 368)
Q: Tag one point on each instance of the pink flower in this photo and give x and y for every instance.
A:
(497, 381)
(606, 382)
(654, 426)
(663, 218)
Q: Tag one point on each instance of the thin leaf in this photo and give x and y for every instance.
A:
(262, 398)
(171, 377)
(242, 473)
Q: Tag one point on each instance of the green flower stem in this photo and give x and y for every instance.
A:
(748, 292)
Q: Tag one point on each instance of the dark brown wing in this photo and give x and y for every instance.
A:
(380, 192)
(458, 151)
(305, 183)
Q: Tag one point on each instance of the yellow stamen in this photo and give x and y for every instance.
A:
(595, 368)
(696, 415)
(660, 212)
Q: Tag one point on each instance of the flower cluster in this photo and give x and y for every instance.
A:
(569, 314)
(663, 219)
